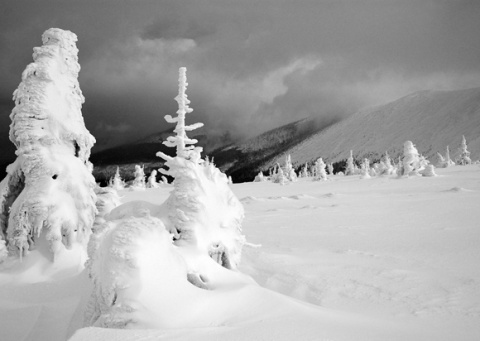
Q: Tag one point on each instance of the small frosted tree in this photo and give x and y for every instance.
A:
(289, 171)
(138, 182)
(304, 172)
(429, 171)
(330, 168)
(365, 170)
(448, 160)
(320, 173)
(411, 159)
(259, 177)
(116, 182)
(350, 168)
(152, 180)
(463, 154)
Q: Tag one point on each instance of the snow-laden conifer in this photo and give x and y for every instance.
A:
(463, 157)
(138, 182)
(365, 170)
(116, 181)
(350, 168)
(48, 192)
(330, 168)
(320, 173)
(289, 171)
(152, 180)
(202, 210)
(411, 159)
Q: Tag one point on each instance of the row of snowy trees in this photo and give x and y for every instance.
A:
(410, 163)
(139, 182)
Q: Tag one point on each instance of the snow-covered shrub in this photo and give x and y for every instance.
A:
(202, 210)
(463, 157)
(429, 171)
(320, 173)
(152, 180)
(48, 192)
(116, 182)
(138, 182)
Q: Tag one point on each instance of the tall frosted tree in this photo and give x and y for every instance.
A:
(202, 210)
(181, 141)
(48, 192)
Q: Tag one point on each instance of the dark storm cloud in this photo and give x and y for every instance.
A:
(252, 65)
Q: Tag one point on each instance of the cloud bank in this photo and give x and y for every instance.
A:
(252, 65)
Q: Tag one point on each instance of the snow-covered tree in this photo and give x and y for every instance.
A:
(116, 182)
(330, 168)
(448, 160)
(463, 157)
(259, 177)
(304, 171)
(289, 171)
(429, 171)
(350, 168)
(48, 192)
(411, 159)
(181, 141)
(138, 182)
(320, 173)
(203, 212)
(365, 170)
(444, 162)
(152, 180)
(385, 166)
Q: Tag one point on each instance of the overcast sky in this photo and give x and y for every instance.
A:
(252, 64)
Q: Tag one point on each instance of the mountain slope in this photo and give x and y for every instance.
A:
(244, 160)
(430, 119)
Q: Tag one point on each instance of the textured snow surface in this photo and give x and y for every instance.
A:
(344, 259)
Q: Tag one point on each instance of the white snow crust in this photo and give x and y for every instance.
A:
(321, 265)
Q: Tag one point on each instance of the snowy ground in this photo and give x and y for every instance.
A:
(376, 259)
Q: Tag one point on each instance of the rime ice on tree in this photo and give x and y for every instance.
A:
(289, 172)
(116, 182)
(181, 141)
(365, 170)
(411, 159)
(320, 173)
(48, 192)
(152, 180)
(463, 154)
(350, 168)
(202, 210)
(138, 182)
